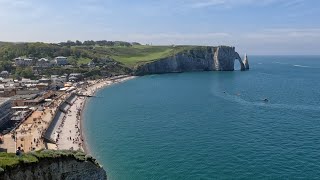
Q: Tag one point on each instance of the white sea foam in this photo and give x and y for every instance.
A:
(297, 65)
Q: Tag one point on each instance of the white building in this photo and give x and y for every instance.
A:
(5, 110)
(23, 61)
(61, 61)
(58, 82)
(43, 62)
(4, 74)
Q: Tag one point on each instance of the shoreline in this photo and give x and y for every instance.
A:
(84, 139)
(102, 85)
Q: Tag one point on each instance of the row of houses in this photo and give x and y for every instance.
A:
(20, 97)
(10, 87)
(43, 62)
(17, 108)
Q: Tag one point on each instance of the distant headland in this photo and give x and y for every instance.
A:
(108, 58)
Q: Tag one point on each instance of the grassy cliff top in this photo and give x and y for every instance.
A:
(130, 56)
(137, 54)
(9, 160)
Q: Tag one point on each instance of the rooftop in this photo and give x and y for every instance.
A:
(4, 72)
(43, 59)
(3, 100)
(25, 97)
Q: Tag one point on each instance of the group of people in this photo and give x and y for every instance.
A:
(31, 131)
(61, 126)
(75, 138)
(78, 140)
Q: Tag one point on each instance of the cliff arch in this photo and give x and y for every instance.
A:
(225, 57)
(242, 66)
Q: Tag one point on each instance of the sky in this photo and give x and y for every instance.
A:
(268, 27)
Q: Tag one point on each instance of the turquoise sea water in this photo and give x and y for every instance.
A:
(212, 125)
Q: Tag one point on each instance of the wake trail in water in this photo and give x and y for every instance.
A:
(279, 63)
(297, 65)
(239, 100)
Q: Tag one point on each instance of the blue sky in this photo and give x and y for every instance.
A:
(252, 26)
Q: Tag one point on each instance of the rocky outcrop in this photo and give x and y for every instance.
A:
(246, 62)
(224, 59)
(55, 168)
(219, 58)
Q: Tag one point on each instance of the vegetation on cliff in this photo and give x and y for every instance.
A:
(10, 160)
(128, 54)
(113, 57)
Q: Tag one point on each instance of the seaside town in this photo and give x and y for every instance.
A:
(45, 113)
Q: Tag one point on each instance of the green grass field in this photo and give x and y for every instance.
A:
(8, 160)
(131, 56)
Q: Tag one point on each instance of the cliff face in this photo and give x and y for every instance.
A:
(246, 62)
(198, 59)
(60, 168)
(55, 168)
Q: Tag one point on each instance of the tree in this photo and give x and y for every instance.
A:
(78, 43)
(5, 66)
(72, 61)
(24, 72)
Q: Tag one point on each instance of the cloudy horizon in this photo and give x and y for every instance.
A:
(252, 26)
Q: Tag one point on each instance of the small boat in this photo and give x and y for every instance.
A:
(266, 100)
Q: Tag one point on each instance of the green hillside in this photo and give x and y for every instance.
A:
(109, 57)
(127, 55)
(130, 56)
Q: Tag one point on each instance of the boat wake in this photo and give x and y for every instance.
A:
(297, 65)
(262, 103)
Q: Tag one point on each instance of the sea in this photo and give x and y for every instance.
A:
(258, 124)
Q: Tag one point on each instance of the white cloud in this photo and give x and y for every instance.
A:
(285, 34)
(233, 3)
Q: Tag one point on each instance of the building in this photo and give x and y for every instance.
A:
(75, 77)
(5, 111)
(61, 61)
(25, 100)
(45, 80)
(31, 100)
(7, 91)
(42, 86)
(4, 74)
(20, 113)
(22, 62)
(43, 62)
(57, 82)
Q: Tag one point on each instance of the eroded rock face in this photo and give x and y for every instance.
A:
(246, 62)
(219, 58)
(63, 168)
(224, 59)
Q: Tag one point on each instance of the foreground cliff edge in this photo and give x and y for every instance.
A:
(49, 164)
(201, 58)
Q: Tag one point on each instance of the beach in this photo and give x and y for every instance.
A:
(58, 125)
(70, 135)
